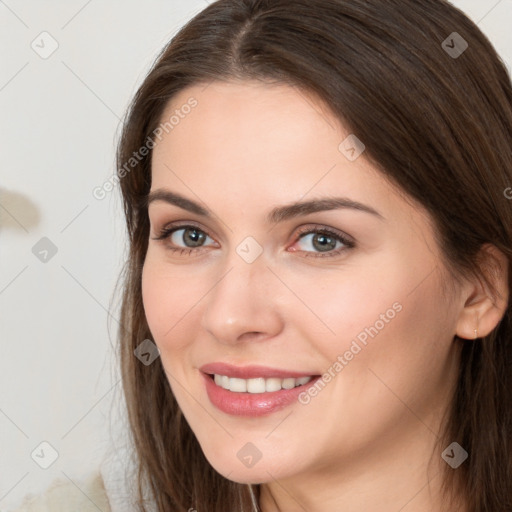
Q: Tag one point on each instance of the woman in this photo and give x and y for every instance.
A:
(402, 110)
(316, 303)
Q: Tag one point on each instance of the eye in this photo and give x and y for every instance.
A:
(184, 238)
(322, 242)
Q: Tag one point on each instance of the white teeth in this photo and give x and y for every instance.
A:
(288, 383)
(273, 384)
(237, 385)
(258, 384)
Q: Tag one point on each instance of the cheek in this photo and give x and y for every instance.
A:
(391, 313)
(170, 298)
(342, 303)
(406, 342)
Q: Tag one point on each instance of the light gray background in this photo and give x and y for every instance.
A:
(59, 121)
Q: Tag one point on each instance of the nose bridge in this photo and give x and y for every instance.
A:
(240, 301)
(246, 270)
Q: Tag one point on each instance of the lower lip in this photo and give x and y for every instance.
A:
(252, 404)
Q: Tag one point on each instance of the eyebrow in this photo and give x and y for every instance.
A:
(278, 214)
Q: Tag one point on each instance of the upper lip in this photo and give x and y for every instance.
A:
(251, 372)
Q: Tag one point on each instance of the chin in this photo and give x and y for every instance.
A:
(247, 471)
(245, 476)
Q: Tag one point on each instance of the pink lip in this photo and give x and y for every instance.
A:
(251, 404)
(250, 372)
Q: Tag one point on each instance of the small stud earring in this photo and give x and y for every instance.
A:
(476, 333)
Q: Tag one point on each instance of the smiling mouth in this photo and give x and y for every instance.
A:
(258, 384)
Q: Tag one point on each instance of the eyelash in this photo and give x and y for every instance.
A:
(166, 232)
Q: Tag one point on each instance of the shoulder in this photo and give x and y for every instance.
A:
(63, 495)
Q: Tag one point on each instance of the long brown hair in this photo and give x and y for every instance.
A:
(436, 120)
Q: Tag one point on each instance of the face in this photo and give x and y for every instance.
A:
(326, 324)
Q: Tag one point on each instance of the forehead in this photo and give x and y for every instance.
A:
(251, 144)
(249, 122)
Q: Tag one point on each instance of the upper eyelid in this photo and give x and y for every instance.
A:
(303, 230)
(175, 225)
(183, 224)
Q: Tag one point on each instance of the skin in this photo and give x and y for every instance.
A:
(365, 441)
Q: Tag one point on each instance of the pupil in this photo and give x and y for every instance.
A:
(193, 237)
(324, 242)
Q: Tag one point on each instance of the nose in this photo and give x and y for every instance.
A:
(243, 305)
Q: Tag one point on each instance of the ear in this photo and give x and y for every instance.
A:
(483, 309)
